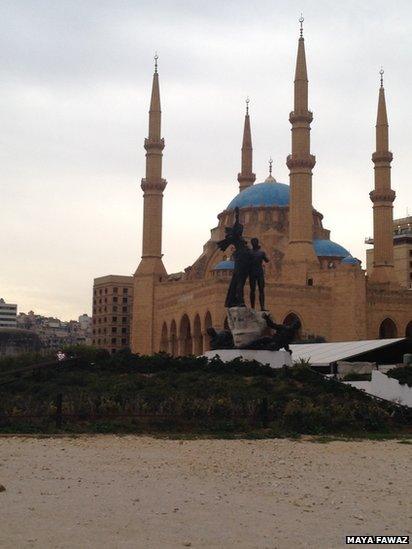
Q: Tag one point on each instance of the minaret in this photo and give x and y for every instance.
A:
(153, 185)
(246, 177)
(300, 164)
(382, 197)
(151, 269)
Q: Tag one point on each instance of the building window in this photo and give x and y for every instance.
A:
(310, 281)
(124, 309)
(105, 319)
(125, 300)
(100, 292)
(114, 330)
(123, 341)
(115, 308)
(124, 319)
(115, 290)
(105, 290)
(124, 330)
(98, 342)
(115, 299)
(125, 290)
(114, 318)
(114, 340)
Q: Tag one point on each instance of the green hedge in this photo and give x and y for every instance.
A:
(103, 392)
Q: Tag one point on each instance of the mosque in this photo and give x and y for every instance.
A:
(309, 276)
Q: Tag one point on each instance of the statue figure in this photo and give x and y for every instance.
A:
(285, 334)
(242, 258)
(220, 340)
(257, 275)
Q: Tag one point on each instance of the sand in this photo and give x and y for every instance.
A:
(118, 492)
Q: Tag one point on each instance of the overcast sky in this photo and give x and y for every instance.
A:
(74, 94)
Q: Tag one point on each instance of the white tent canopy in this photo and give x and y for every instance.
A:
(323, 354)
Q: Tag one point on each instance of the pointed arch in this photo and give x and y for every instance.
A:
(164, 341)
(207, 324)
(388, 329)
(185, 337)
(291, 318)
(408, 330)
(173, 338)
(197, 336)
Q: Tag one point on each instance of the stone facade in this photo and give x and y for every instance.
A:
(402, 251)
(308, 276)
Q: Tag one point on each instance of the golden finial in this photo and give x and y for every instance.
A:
(301, 19)
(381, 72)
(247, 105)
(156, 57)
(270, 166)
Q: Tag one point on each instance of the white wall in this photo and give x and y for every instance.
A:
(385, 387)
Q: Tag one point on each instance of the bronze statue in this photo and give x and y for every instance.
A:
(284, 335)
(220, 340)
(242, 259)
(257, 275)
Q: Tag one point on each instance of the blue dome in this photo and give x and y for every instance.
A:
(327, 248)
(262, 194)
(350, 260)
(224, 265)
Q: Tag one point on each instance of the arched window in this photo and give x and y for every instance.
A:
(185, 337)
(197, 337)
(408, 330)
(387, 329)
(173, 338)
(291, 318)
(207, 324)
(164, 343)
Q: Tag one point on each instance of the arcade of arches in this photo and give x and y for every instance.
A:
(192, 338)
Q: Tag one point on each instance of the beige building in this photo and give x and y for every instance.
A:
(112, 307)
(402, 251)
(309, 275)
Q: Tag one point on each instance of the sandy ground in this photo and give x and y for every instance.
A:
(132, 492)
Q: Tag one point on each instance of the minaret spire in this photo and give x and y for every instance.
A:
(246, 177)
(382, 198)
(270, 178)
(151, 269)
(300, 164)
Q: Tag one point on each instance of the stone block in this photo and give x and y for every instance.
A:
(245, 324)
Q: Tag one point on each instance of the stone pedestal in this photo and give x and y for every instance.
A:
(246, 325)
(275, 359)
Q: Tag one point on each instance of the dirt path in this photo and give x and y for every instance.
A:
(138, 492)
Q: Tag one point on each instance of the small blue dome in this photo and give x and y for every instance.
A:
(350, 260)
(262, 194)
(224, 265)
(327, 248)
